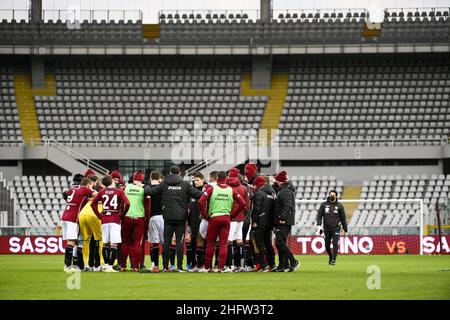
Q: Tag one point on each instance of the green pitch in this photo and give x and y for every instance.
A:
(402, 277)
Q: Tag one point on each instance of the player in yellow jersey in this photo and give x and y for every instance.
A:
(91, 228)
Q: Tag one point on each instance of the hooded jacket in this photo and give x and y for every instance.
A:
(175, 197)
(263, 203)
(236, 185)
(284, 207)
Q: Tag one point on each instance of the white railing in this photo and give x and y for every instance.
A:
(15, 14)
(386, 141)
(76, 156)
(92, 15)
(367, 142)
(73, 14)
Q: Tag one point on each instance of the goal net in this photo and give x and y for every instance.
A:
(376, 226)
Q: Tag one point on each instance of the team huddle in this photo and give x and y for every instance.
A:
(231, 218)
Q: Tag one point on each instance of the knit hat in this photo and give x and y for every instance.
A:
(259, 182)
(250, 169)
(234, 172)
(116, 175)
(89, 172)
(281, 176)
(138, 176)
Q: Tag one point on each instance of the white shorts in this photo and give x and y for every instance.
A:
(156, 229)
(111, 233)
(71, 231)
(235, 230)
(203, 228)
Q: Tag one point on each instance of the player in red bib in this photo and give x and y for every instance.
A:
(76, 198)
(115, 205)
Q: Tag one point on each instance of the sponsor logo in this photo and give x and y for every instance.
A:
(36, 245)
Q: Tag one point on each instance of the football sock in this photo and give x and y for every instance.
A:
(80, 258)
(239, 255)
(97, 254)
(68, 255)
(189, 253)
(112, 255)
(92, 244)
(229, 254)
(154, 256)
(105, 253)
(200, 255)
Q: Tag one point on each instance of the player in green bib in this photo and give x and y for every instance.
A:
(216, 205)
(133, 225)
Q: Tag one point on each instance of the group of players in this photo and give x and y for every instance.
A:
(232, 217)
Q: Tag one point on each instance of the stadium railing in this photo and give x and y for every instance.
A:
(368, 142)
(76, 155)
(15, 14)
(92, 15)
(72, 15)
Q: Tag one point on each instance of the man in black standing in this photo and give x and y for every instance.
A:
(284, 219)
(262, 222)
(175, 197)
(332, 214)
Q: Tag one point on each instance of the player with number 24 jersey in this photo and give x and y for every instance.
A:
(114, 202)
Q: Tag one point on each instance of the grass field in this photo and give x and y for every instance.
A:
(402, 277)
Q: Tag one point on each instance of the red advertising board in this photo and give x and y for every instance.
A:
(401, 244)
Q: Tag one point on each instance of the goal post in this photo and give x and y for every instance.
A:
(377, 226)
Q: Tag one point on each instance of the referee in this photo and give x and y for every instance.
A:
(332, 214)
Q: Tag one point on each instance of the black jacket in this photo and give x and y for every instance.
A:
(333, 216)
(263, 202)
(284, 207)
(194, 210)
(175, 197)
(247, 214)
(156, 205)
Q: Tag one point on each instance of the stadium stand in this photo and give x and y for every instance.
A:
(40, 199)
(432, 190)
(320, 27)
(140, 101)
(311, 188)
(344, 101)
(367, 99)
(9, 118)
(190, 28)
(65, 32)
(381, 217)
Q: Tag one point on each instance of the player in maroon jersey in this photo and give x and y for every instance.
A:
(115, 205)
(76, 198)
